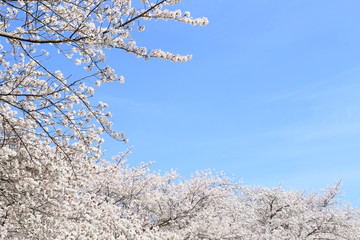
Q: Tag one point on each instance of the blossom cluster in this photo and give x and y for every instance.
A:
(50, 130)
(42, 198)
(57, 106)
(54, 183)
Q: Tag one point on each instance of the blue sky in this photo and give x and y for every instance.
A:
(272, 95)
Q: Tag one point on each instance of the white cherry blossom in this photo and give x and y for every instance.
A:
(54, 183)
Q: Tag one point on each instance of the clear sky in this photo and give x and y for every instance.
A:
(272, 95)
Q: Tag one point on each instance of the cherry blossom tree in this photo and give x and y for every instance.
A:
(50, 131)
(36, 96)
(54, 183)
(213, 206)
